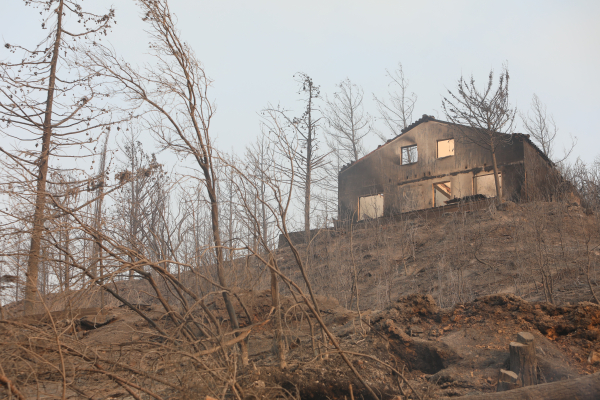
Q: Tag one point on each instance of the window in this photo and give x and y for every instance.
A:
(442, 192)
(486, 185)
(445, 148)
(370, 207)
(409, 155)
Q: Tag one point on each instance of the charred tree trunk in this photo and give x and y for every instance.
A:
(308, 178)
(584, 388)
(31, 290)
(496, 178)
(279, 340)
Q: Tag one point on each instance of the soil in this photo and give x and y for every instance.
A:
(450, 352)
(420, 332)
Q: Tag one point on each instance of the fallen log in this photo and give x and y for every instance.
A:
(583, 388)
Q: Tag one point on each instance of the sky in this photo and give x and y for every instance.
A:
(252, 49)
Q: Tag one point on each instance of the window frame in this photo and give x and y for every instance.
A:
(402, 154)
(437, 148)
(433, 186)
(379, 210)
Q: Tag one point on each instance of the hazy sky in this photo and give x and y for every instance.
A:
(253, 48)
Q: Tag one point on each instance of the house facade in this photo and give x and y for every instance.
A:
(431, 163)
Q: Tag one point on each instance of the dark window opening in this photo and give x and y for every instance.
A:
(409, 155)
(442, 192)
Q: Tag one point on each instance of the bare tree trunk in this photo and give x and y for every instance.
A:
(496, 178)
(97, 269)
(308, 177)
(214, 211)
(66, 261)
(278, 328)
(31, 291)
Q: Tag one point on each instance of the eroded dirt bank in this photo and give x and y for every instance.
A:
(451, 352)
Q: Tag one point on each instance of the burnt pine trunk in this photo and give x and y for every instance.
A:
(308, 177)
(278, 337)
(31, 289)
(214, 211)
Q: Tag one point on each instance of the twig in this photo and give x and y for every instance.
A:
(11, 387)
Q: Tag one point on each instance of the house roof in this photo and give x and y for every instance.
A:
(428, 118)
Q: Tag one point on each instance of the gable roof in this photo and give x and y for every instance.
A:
(424, 118)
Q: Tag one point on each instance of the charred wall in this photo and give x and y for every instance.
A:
(544, 181)
(411, 187)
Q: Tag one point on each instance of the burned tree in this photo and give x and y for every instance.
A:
(347, 123)
(542, 128)
(304, 131)
(179, 112)
(308, 160)
(486, 114)
(47, 104)
(396, 113)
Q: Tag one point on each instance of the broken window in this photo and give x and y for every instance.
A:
(370, 207)
(409, 155)
(486, 185)
(445, 148)
(442, 192)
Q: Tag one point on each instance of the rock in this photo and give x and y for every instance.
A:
(594, 357)
(396, 331)
(416, 331)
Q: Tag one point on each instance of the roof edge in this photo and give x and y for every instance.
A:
(423, 119)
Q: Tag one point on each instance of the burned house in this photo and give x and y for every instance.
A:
(430, 163)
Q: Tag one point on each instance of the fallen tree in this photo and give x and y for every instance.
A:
(584, 388)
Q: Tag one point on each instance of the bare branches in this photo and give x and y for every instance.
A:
(397, 114)
(12, 389)
(34, 111)
(542, 129)
(306, 158)
(347, 123)
(486, 113)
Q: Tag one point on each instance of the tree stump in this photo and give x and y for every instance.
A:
(523, 361)
(507, 380)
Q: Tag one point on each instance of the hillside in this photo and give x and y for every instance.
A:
(537, 251)
(440, 299)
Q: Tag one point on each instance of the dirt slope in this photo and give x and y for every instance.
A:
(439, 302)
(441, 352)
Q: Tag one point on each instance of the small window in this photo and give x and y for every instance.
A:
(445, 148)
(409, 155)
